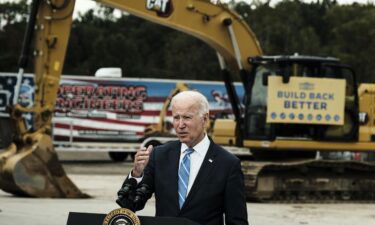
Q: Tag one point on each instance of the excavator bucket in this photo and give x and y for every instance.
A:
(34, 170)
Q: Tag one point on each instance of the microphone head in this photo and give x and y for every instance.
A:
(118, 201)
(121, 193)
(127, 187)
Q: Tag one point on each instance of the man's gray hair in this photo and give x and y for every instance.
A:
(201, 100)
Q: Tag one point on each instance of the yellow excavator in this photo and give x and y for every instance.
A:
(294, 107)
(29, 166)
(304, 117)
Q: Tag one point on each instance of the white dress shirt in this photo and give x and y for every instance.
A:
(196, 158)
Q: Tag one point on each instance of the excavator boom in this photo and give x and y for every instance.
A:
(202, 19)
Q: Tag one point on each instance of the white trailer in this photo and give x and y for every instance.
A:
(109, 114)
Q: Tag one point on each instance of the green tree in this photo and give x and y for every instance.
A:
(353, 38)
(13, 16)
(190, 58)
(144, 49)
(13, 12)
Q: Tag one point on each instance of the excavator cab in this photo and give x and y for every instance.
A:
(297, 159)
(256, 126)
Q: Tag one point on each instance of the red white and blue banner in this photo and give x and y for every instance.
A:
(111, 109)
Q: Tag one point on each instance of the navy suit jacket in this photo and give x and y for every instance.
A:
(217, 190)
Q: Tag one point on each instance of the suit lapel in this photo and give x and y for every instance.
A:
(173, 159)
(207, 166)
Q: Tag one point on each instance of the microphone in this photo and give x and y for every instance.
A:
(141, 195)
(126, 194)
(127, 188)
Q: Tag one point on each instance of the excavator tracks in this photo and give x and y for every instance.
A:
(309, 181)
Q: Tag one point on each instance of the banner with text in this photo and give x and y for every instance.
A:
(306, 100)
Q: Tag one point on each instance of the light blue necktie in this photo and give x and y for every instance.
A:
(183, 176)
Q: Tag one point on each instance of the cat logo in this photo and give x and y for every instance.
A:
(307, 86)
(163, 8)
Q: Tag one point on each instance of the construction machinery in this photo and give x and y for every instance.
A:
(29, 166)
(293, 157)
(277, 139)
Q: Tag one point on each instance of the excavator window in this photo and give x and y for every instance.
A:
(256, 112)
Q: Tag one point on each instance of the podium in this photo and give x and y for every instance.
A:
(78, 218)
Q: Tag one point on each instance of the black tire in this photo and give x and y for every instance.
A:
(154, 143)
(118, 156)
(132, 156)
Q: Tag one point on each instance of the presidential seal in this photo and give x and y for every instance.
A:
(121, 216)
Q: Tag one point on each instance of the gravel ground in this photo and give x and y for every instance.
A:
(96, 175)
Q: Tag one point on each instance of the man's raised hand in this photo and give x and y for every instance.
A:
(140, 160)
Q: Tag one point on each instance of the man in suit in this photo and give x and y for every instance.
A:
(192, 178)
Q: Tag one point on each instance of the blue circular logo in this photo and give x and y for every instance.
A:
(310, 117)
(336, 117)
(300, 116)
(292, 116)
(273, 115)
(319, 117)
(328, 117)
(282, 115)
